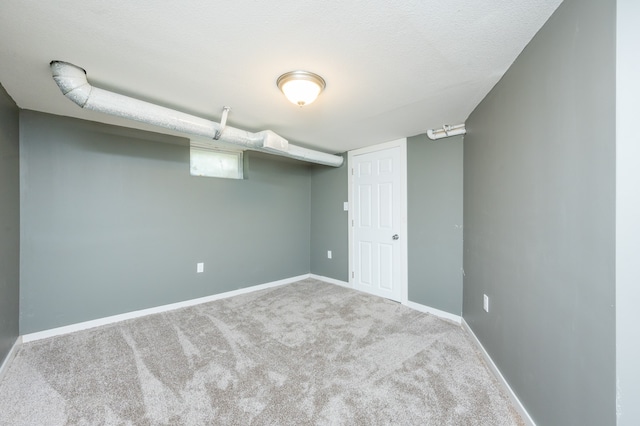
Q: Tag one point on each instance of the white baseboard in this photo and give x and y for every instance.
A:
(498, 375)
(155, 310)
(330, 280)
(418, 307)
(433, 311)
(10, 356)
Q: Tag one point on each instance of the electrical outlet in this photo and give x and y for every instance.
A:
(485, 303)
(329, 254)
(200, 268)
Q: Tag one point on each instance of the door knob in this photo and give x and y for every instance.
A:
(395, 237)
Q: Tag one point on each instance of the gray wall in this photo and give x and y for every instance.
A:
(539, 219)
(9, 223)
(434, 222)
(112, 222)
(434, 192)
(329, 222)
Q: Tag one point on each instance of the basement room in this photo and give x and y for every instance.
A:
(319, 213)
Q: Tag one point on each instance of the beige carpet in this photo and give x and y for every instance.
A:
(304, 353)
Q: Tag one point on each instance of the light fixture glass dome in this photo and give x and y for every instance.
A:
(301, 87)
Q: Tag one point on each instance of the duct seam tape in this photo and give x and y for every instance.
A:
(273, 142)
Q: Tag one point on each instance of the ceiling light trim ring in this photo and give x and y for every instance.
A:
(296, 97)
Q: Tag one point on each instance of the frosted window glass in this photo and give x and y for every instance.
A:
(213, 163)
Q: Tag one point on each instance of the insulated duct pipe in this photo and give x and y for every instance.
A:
(73, 83)
(447, 131)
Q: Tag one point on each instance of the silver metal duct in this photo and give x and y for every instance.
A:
(73, 83)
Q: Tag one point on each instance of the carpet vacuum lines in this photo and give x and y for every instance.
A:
(307, 353)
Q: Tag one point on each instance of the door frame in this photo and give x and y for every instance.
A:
(402, 144)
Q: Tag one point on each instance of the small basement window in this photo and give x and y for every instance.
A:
(214, 162)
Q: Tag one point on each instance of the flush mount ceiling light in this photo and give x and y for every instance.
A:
(301, 87)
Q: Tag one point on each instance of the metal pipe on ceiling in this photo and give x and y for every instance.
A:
(447, 131)
(72, 81)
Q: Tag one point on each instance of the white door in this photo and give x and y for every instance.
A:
(378, 220)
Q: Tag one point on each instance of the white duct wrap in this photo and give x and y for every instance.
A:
(73, 83)
(447, 131)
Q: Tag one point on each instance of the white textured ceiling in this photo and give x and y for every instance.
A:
(393, 68)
